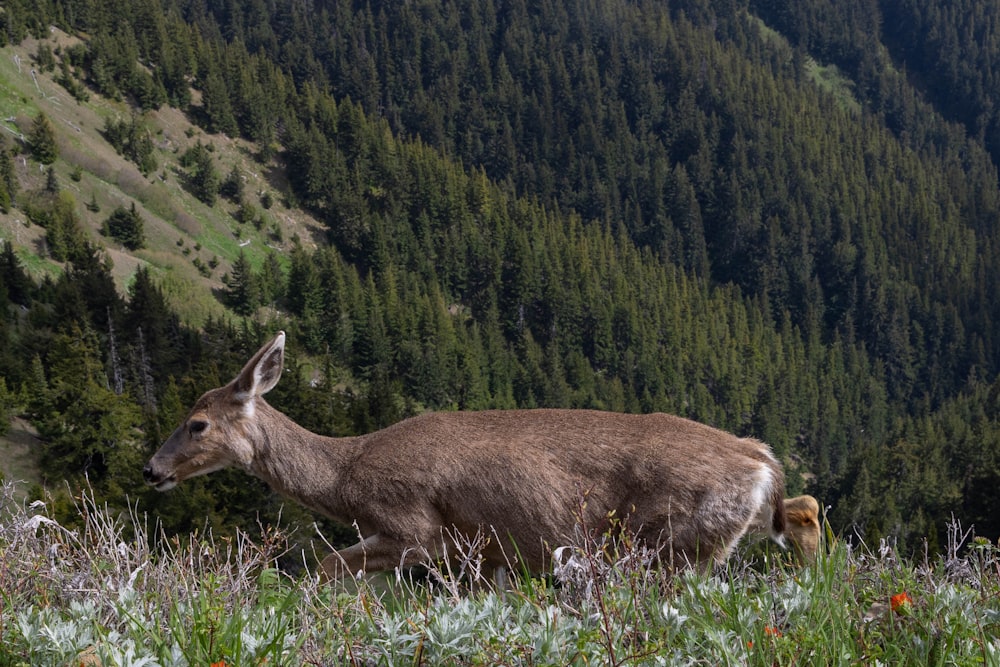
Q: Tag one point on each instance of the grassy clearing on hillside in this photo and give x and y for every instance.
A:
(89, 168)
(102, 590)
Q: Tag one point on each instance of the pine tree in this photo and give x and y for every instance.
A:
(271, 279)
(8, 401)
(63, 231)
(126, 227)
(86, 425)
(232, 186)
(42, 140)
(217, 105)
(13, 278)
(204, 177)
(51, 181)
(242, 293)
(8, 181)
(140, 147)
(149, 312)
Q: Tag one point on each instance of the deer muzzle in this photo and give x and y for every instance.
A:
(158, 479)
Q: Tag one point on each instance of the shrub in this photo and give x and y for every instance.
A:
(126, 227)
(42, 140)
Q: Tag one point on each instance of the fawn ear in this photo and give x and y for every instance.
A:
(263, 371)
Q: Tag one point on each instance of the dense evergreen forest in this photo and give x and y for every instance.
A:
(776, 217)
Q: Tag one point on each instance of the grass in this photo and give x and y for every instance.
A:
(19, 460)
(169, 211)
(102, 592)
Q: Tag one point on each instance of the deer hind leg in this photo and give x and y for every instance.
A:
(726, 516)
(374, 553)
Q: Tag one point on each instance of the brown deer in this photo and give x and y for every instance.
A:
(527, 478)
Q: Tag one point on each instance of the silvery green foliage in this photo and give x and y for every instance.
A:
(54, 638)
(118, 650)
(65, 592)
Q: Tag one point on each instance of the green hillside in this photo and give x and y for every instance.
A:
(179, 228)
(756, 216)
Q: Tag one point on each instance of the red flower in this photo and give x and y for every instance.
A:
(772, 631)
(900, 602)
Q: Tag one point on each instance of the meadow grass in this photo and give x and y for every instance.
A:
(114, 592)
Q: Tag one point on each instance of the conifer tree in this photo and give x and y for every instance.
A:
(217, 105)
(8, 401)
(85, 424)
(140, 147)
(13, 279)
(126, 227)
(8, 181)
(51, 181)
(149, 312)
(232, 186)
(202, 177)
(42, 140)
(242, 292)
(271, 279)
(63, 231)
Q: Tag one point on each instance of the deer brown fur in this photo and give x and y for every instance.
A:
(528, 478)
(802, 526)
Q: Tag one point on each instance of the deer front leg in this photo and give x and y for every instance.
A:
(372, 554)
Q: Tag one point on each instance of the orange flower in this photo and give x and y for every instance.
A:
(221, 663)
(772, 631)
(900, 602)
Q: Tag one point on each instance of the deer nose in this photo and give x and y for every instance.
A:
(147, 472)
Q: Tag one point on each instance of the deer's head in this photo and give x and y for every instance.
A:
(219, 431)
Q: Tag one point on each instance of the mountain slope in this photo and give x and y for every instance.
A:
(179, 229)
(631, 206)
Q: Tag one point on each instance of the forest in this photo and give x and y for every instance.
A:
(775, 217)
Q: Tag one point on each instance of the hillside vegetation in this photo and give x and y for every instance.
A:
(757, 215)
(182, 233)
(100, 596)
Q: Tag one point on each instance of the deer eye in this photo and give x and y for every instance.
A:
(198, 427)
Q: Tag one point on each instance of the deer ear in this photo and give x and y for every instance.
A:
(263, 371)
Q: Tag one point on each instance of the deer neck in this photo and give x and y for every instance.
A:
(298, 463)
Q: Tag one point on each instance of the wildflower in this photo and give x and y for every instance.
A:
(901, 602)
(221, 663)
(770, 631)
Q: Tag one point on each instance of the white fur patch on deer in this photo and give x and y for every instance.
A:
(528, 478)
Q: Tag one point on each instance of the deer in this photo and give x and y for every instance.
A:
(527, 478)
